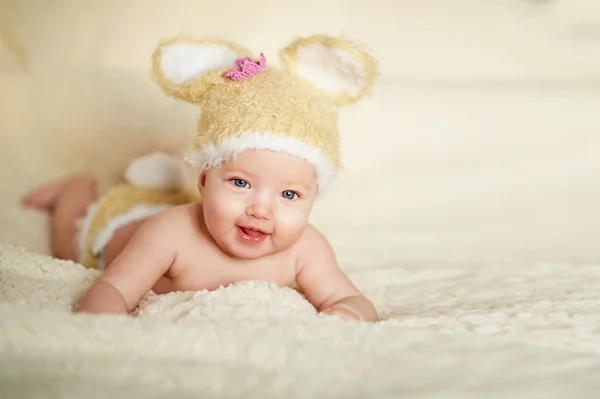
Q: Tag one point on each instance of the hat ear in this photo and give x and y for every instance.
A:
(343, 70)
(186, 68)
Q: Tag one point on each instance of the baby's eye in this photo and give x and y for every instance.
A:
(240, 183)
(289, 194)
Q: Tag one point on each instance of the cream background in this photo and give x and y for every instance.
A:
(479, 142)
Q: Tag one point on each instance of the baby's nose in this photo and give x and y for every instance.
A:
(260, 209)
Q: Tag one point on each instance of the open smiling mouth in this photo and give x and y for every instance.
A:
(250, 235)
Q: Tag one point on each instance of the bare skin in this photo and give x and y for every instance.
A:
(175, 251)
(66, 201)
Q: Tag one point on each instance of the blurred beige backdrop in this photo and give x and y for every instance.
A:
(479, 143)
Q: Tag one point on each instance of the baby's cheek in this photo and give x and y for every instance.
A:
(216, 215)
(293, 223)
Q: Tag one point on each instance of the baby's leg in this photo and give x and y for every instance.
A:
(67, 201)
(108, 226)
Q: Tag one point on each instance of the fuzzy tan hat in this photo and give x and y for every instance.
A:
(248, 104)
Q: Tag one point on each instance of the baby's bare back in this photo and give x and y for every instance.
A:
(200, 264)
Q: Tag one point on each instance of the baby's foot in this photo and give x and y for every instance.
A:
(46, 196)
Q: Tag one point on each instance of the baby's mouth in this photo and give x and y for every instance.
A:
(252, 235)
(252, 232)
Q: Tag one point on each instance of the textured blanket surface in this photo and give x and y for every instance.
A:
(447, 331)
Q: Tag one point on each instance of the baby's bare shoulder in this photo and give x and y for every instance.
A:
(172, 222)
(313, 244)
(312, 236)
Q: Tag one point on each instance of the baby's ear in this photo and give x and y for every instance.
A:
(342, 69)
(186, 68)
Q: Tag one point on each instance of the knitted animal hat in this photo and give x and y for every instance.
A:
(247, 104)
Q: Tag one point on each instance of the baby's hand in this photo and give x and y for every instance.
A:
(343, 311)
(324, 283)
(355, 307)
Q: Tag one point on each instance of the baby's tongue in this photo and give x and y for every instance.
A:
(251, 232)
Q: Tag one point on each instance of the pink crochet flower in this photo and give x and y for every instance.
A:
(246, 68)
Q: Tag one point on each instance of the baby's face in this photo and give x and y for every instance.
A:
(258, 203)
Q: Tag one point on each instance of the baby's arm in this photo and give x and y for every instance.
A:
(144, 260)
(325, 285)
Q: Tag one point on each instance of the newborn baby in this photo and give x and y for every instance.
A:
(267, 147)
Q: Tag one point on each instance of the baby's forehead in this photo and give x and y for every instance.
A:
(270, 165)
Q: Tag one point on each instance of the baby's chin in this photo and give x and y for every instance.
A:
(247, 251)
(244, 251)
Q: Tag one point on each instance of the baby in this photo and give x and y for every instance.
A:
(267, 147)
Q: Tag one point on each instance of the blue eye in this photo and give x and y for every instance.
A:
(289, 194)
(240, 183)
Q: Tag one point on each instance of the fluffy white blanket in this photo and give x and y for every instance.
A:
(492, 330)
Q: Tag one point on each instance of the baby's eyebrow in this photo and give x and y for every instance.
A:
(296, 183)
(231, 169)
